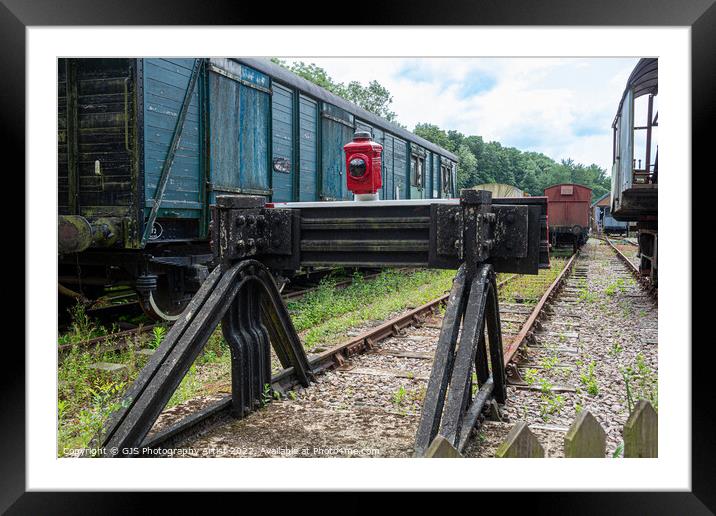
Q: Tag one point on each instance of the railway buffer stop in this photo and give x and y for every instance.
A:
(252, 240)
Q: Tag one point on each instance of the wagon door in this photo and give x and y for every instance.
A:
(400, 169)
(379, 137)
(337, 128)
(429, 175)
(308, 131)
(436, 176)
(167, 82)
(283, 169)
(417, 172)
(388, 191)
(96, 138)
(239, 112)
(624, 152)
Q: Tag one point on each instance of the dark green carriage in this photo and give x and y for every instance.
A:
(145, 145)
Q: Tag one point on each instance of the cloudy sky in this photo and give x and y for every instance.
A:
(561, 107)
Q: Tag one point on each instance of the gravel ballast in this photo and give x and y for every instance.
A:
(370, 407)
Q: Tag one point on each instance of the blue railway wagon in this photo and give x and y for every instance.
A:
(610, 225)
(388, 159)
(146, 145)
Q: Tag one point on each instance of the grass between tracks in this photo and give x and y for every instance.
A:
(87, 396)
(528, 289)
(324, 317)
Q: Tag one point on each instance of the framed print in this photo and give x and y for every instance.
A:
(432, 233)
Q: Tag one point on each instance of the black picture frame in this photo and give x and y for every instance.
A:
(700, 15)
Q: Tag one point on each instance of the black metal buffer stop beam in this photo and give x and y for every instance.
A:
(475, 234)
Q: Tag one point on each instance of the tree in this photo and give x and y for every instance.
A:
(479, 161)
(434, 134)
(490, 162)
(467, 169)
(374, 97)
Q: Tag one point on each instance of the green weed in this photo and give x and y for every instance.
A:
(158, 334)
(641, 383)
(589, 379)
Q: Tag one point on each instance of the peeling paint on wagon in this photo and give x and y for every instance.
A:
(283, 169)
(165, 85)
(117, 120)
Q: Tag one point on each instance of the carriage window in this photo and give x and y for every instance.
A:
(445, 172)
(413, 171)
(421, 171)
(453, 179)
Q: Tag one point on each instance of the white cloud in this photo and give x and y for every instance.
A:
(562, 107)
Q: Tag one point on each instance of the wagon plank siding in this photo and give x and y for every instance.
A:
(283, 168)
(400, 169)
(165, 85)
(101, 95)
(254, 123)
(308, 119)
(224, 132)
(336, 130)
(388, 153)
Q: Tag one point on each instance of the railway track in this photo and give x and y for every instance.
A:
(599, 324)
(384, 367)
(632, 267)
(120, 340)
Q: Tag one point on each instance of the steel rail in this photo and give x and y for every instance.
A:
(631, 265)
(284, 380)
(653, 291)
(298, 294)
(517, 341)
(126, 334)
(64, 348)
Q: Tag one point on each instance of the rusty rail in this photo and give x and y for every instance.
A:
(631, 265)
(285, 380)
(517, 341)
(127, 334)
(634, 270)
(298, 294)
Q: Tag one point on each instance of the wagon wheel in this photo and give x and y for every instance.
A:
(161, 305)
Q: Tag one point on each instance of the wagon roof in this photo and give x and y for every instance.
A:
(291, 79)
(568, 184)
(643, 79)
(600, 199)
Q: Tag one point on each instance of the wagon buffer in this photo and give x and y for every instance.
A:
(475, 234)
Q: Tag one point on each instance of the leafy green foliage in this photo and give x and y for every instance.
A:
(373, 97)
(479, 161)
(158, 333)
(399, 395)
(490, 162)
(619, 451)
(589, 379)
(82, 327)
(550, 404)
(327, 313)
(641, 383)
